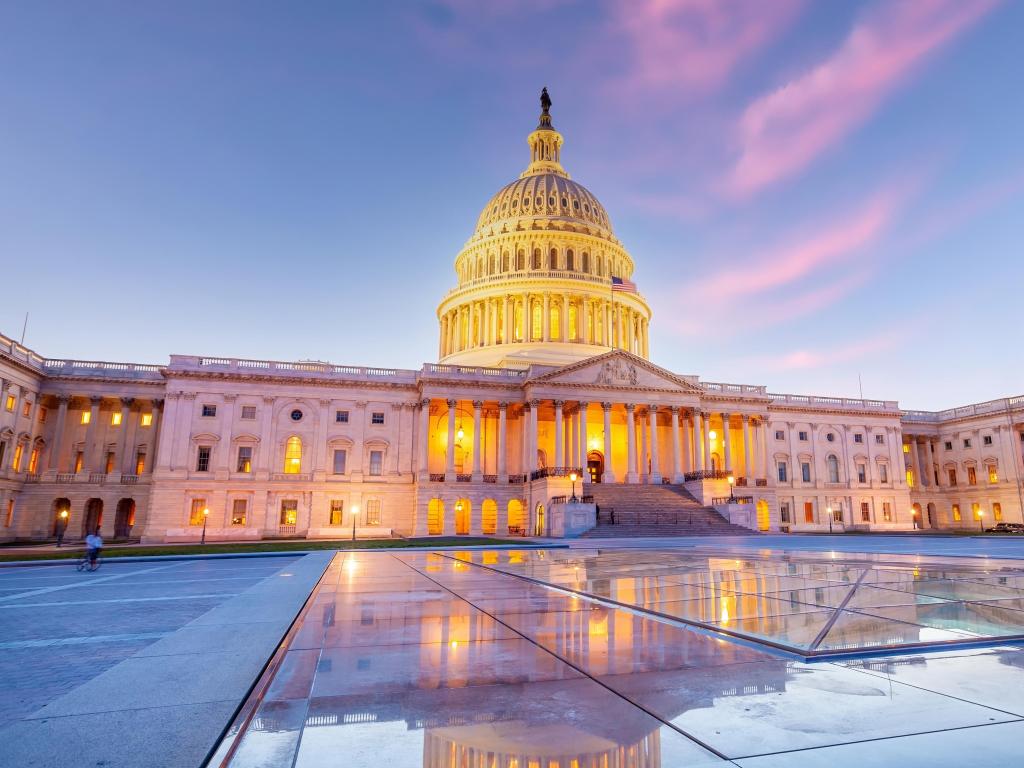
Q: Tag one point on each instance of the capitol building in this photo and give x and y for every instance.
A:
(543, 375)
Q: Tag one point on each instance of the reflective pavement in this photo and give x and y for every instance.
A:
(456, 659)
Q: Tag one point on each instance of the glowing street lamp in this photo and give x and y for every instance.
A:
(981, 520)
(574, 477)
(732, 492)
(828, 511)
(63, 526)
(913, 514)
(355, 514)
(206, 514)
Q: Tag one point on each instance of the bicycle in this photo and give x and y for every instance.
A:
(87, 563)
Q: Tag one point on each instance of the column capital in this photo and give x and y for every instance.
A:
(478, 404)
(157, 402)
(503, 405)
(268, 400)
(127, 402)
(630, 407)
(63, 399)
(559, 403)
(452, 403)
(606, 406)
(653, 407)
(674, 410)
(324, 402)
(188, 395)
(425, 402)
(745, 417)
(534, 403)
(583, 405)
(97, 399)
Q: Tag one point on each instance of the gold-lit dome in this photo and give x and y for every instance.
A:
(543, 278)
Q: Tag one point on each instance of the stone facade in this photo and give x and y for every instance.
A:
(544, 370)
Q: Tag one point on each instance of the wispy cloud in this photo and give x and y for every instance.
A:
(808, 358)
(782, 132)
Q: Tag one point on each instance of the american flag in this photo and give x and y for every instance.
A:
(621, 284)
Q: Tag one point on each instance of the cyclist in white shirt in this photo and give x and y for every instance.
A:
(94, 544)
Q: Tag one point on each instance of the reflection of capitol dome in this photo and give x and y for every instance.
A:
(543, 278)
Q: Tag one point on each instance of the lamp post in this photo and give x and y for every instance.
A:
(206, 514)
(63, 526)
(574, 477)
(732, 491)
(828, 511)
(458, 514)
(913, 514)
(355, 514)
(981, 520)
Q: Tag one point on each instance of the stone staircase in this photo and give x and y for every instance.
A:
(654, 510)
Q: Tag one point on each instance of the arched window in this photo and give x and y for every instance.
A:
(490, 264)
(293, 456)
(570, 260)
(504, 262)
(833, 468)
(536, 321)
(480, 267)
(553, 259)
(520, 261)
(556, 322)
(536, 258)
(586, 262)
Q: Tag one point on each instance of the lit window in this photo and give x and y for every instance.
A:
(952, 475)
(376, 462)
(865, 512)
(997, 511)
(340, 457)
(19, 450)
(26, 411)
(79, 457)
(42, 414)
(293, 456)
(238, 510)
(9, 517)
(976, 511)
(140, 463)
(956, 513)
(373, 512)
(377, 417)
(109, 465)
(341, 417)
(248, 412)
(33, 460)
(337, 510)
(906, 447)
(808, 511)
(203, 459)
(9, 404)
(993, 473)
(910, 478)
(209, 411)
(86, 416)
(244, 463)
(782, 472)
(887, 511)
(289, 511)
(195, 515)
(972, 476)
(115, 419)
(146, 420)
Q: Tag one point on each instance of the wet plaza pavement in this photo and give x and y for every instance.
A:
(583, 658)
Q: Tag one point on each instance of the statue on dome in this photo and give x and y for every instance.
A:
(545, 100)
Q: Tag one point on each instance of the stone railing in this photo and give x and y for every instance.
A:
(12, 349)
(310, 369)
(517, 479)
(100, 369)
(846, 403)
(1001, 405)
(733, 389)
(519, 276)
(294, 477)
(471, 372)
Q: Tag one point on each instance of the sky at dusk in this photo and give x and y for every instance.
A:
(812, 191)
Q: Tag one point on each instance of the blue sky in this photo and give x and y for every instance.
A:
(812, 191)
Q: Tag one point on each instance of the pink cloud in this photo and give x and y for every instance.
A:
(784, 131)
(801, 359)
(693, 45)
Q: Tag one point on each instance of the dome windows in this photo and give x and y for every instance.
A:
(576, 204)
(536, 259)
(570, 260)
(565, 202)
(551, 201)
(586, 208)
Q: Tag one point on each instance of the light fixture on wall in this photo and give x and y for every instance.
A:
(712, 435)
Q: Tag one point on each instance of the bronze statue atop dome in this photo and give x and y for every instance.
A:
(545, 100)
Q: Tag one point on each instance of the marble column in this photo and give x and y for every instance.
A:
(762, 444)
(748, 467)
(91, 462)
(726, 445)
(424, 437)
(559, 435)
(532, 456)
(502, 442)
(914, 463)
(477, 430)
(930, 453)
(449, 462)
(58, 433)
(698, 441)
(565, 319)
(583, 447)
(506, 320)
(655, 478)
(631, 474)
(546, 323)
(641, 451)
(708, 463)
(527, 318)
(609, 474)
(677, 472)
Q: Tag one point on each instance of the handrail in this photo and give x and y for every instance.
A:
(537, 474)
(708, 474)
(716, 500)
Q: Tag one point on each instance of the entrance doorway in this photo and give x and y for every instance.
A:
(462, 513)
(124, 518)
(931, 515)
(61, 523)
(763, 515)
(595, 466)
(539, 527)
(93, 516)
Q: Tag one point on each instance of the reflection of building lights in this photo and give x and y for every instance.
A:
(460, 434)
(351, 566)
(454, 644)
(725, 612)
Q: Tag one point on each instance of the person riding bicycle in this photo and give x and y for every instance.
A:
(94, 545)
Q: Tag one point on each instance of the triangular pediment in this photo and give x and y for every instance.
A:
(618, 370)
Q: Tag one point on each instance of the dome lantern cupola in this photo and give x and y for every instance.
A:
(545, 144)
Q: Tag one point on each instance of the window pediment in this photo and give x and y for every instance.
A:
(205, 437)
(245, 437)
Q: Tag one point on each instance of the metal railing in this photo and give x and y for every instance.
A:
(463, 478)
(716, 500)
(517, 479)
(490, 478)
(537, 474)
(708, 474)
(437, 477)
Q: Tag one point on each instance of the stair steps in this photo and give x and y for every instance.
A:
(655, 510)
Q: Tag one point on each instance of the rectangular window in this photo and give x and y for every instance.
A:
(33, 460)
(209, 411)
(86, 417)
(782, 472)
(805, 471)
(203, 459)
(9, 403)
(976, 510)
(887, 511)
(373, 512)
(340, 457)
(26, 411)
(948, 445)
(906, 447)
(146, 420)
(952, 475)
(784, 512)
(883, 473)
(79, 456)
(910, 478)
(803, 436)
(337, 511)
(986, 440)
(42, 414)
(9, 517)
(997, 511)
(808, 511)
(376, 462)
(957, 517)
(862, 473)
(244, 459)
(341, 417)
(238, 510)
(865, 512)
(195, 514)
(879, 439)
(972, 476)
(109, 466)
(3, 451)
(289, 511)
(140, 463)
(115, 419)
(993, 473)
(780, 434)
(19, 449)
(248, 412)
(377, 417)
(858, 438)
(967, 442)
